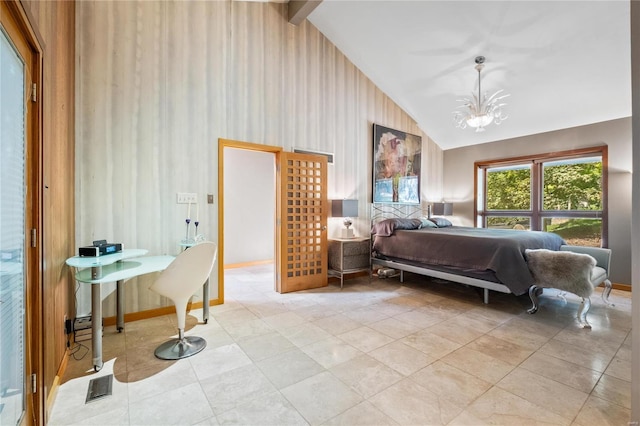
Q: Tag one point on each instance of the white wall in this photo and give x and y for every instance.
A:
(249, 205)
(616, 134)
(158, 82)
(635, 313)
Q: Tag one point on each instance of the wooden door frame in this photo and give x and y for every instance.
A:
(34, 338)
(228, 143)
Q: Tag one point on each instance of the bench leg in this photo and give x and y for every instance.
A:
(534, 292)
(582, 312)
(606, 292)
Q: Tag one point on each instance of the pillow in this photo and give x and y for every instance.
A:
(441, 222)
(386, 227)
(426, 223)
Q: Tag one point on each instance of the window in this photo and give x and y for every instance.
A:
(12, 230)
(561, 192)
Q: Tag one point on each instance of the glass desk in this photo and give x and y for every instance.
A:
(117, 267)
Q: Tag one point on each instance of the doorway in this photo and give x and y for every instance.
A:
(256, 153)
(300, 224)
(250, 209)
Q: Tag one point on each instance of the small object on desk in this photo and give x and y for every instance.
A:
(100, 248)
(188, 221)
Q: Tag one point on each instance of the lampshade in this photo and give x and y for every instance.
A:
(443, 209)
(344, 208)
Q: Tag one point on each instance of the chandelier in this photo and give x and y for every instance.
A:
(480, 111)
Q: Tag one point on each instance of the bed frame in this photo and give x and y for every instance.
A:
(381, 211)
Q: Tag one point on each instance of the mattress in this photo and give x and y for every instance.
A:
(496, 254)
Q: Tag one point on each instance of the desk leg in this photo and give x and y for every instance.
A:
(96, 326)
(205, 301)
(119, 306)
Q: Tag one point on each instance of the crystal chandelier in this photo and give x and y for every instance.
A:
(480, 111)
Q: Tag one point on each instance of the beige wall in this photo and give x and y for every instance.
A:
(635, 227)
(249, 205)
(616, 134)
(159, 82)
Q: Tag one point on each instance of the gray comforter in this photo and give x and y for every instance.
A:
(497, 250)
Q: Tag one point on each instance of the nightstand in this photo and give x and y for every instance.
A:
(348, 255)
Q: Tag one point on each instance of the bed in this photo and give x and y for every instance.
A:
(491, 259)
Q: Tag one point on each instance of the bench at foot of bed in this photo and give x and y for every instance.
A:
(573, 269)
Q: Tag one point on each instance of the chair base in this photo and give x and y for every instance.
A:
(180, 348)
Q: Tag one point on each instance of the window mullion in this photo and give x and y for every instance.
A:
(484, 191)
(536, 195)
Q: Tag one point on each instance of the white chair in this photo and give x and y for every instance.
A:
(574, 269)
(178, 282)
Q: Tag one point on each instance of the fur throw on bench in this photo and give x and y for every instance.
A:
(563, 270)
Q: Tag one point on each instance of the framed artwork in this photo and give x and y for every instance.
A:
(396, 166)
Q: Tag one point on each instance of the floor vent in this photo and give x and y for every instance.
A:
(99, 388)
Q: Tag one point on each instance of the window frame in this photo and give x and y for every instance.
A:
(537, 214)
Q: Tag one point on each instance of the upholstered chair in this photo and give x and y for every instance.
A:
(573, 269)
(189, 271)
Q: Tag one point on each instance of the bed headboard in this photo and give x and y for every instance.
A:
(382, 211)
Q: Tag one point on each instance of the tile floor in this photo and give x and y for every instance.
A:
(381, 353)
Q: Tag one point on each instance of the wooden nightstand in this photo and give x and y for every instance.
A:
(348, 255)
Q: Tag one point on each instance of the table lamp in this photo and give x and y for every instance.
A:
(346, 209)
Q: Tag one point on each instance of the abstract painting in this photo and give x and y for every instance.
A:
(396, 166)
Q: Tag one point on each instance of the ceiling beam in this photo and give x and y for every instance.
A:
(300, 9)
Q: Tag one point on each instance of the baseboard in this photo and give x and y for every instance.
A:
(246, 264)
(53, 390)
(157, 312)
(353, 275)
(624, 287)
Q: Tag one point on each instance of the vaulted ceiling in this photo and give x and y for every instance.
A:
(564, 63)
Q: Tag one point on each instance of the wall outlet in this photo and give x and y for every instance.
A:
(187, 197)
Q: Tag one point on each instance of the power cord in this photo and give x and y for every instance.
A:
(75, 351)
(78, 351)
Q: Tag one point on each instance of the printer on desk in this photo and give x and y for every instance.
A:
(100, 248)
